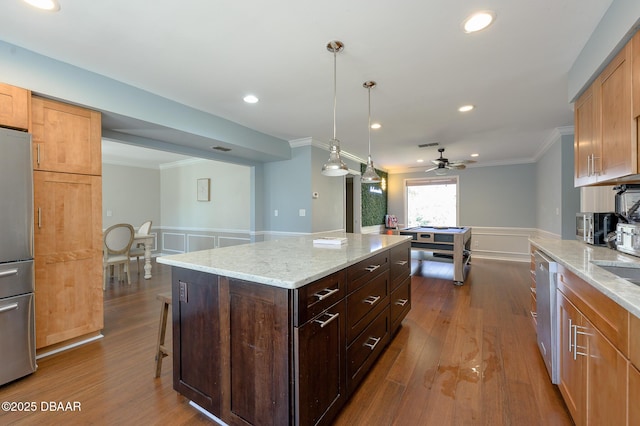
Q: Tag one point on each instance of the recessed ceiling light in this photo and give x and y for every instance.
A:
(420, 160)
(466, 108)
(478, 21)
(376, 125)
(250, 99)
(48, 5)
(475, 155)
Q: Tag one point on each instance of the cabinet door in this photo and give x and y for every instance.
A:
(619, 144)
(586, 144)
(66, 138)
(68, 256)
(196, 324)
(606, 381)
(321, 366)
(634, 396)
(572, 365)
(14, 107)
(635, 76)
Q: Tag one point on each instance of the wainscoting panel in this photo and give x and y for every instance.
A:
(173, 242)
(232, 241)
(184, 240)
(200, 242)
(501, 243)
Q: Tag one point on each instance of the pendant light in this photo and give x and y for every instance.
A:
(369, 175)
(335, 166)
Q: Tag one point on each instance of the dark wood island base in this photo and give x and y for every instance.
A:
(254, 354)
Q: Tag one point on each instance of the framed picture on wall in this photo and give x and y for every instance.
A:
(204, 189)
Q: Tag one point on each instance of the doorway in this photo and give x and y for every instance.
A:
(353, 203)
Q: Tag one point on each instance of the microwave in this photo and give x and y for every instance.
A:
(592, 227)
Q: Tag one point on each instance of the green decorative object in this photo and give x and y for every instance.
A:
(374, 199)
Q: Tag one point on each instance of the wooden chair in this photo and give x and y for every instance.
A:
(115, 248)
(138, 251)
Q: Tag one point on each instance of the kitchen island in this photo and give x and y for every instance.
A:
(282, 332)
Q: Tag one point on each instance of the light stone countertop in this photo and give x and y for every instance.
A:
(290, 262)
(577, 256)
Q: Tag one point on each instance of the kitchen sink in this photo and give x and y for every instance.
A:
(625, 270)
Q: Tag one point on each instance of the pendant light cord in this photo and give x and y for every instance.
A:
(369, 90)
(334, 92)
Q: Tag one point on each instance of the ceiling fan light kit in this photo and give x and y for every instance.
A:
(369, 175)
(334, 166)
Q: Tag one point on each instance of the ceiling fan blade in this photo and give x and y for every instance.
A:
(462, 162)
(456, 166)
(436, 162)
(431, 169)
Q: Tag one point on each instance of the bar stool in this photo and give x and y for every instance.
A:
(161, 350)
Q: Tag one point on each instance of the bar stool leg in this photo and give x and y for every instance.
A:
(161, 350)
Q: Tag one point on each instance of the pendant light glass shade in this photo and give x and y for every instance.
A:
(369, 175)
(335, 166)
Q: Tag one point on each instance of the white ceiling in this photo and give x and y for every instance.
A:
(209, 53)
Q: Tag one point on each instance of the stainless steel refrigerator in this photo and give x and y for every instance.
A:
(17, 314)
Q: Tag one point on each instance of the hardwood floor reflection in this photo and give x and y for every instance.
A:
(464, 356)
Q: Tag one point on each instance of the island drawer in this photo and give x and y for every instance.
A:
(634, 340)
(360, 273)
(364, 304)
(400, 302)
(363, 352)
(400, 263)
(317, 296)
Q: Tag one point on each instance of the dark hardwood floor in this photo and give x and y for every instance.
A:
(464, 356)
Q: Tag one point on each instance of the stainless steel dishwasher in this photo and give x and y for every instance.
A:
(547, 316)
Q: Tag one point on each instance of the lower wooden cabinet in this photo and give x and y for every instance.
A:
(634, 396)
(320, 361)
(593, 371)
(68, 256)
(606, 381)
(572, 363)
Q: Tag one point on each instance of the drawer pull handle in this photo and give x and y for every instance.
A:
(401, 262)
(9, 307)
(371, 300)
(324, 323)
(323, 294)
(373, 345)
(8, 273)
(401, 302)
(371, 268)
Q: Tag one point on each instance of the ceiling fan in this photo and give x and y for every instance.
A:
(441, 164)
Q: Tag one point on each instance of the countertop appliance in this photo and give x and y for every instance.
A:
(593, 227)
(17, 314)
(546, 315)
(628, 238)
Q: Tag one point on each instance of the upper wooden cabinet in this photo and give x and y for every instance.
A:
(587, 144)
(14, 107)
(66, 138)
(635, 74)
(606, 140)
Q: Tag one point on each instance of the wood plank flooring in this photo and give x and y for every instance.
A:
(464, 356)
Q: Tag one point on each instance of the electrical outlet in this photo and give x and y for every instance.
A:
(275, 212)
(302, 212)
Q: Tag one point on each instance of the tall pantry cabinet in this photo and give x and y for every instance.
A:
(68, 222)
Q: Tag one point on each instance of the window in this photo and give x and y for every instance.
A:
(432, 201)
